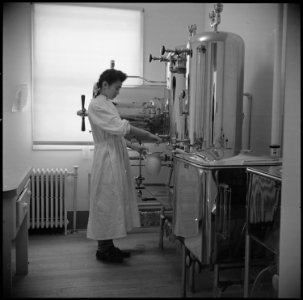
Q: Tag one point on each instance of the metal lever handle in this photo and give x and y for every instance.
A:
(163, 50)
(83, 124)
(157, 58)
(83, 101)
(176, 51)
(83, 110)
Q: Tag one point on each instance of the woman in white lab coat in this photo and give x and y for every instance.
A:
(113, 203)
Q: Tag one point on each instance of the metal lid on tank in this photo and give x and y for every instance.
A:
(215, 20)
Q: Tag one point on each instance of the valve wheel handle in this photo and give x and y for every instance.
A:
(150, 58)
(162, 50)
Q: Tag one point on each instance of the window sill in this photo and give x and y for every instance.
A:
(68, 146)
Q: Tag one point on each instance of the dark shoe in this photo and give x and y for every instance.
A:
(109, 256)
(122, 253)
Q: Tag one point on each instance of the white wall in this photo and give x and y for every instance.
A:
(16, 70)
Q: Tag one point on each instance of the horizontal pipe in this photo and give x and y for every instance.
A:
(146, 80)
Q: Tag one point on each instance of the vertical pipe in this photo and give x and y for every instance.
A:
(42, 197)
(56, 199)
(246, 127)
(278, 79)
(64, 202)
(33, 204)
(46, 198)
(52, 198)
(75, 197)
(61, 215)
(38, 199)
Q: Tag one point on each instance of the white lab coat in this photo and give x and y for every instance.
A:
(113, 203)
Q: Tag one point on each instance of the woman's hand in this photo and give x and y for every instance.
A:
(142, 134)
(141, 149)
(156, 137)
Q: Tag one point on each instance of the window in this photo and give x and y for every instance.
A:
(72, 45)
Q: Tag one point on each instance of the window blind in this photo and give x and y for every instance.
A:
(72, 46)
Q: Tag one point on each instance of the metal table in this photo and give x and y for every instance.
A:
(263, 202)
(209, 211)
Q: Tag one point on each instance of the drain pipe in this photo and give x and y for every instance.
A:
(75, 177)
(75, 199)
(246, 127)
(278, 82)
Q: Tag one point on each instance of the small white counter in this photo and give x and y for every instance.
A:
(16, 199)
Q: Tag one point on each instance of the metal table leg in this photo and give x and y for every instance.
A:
(247, 266)
(192, 276)
(183, 274)
(216, 289)
(161, 234)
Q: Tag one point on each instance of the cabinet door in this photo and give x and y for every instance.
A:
(22, 205)
(264, 198)
(186, 202)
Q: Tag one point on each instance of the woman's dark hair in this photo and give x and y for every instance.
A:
(111, 76)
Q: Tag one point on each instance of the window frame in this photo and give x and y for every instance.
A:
(78, 144)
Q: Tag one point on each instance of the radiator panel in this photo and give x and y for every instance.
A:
(48, 198)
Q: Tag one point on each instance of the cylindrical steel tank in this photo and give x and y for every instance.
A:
(214, 91)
